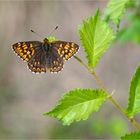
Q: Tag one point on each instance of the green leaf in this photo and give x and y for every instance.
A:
(132, 136)
(115, 9)
(95, 36)
(77, 105)
(51, 38)
(131, 32)
(134, 94)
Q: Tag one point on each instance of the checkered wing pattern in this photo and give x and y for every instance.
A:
(38, 62)
(45, 61)
(31, 52)
(26, 50)
(46, 56)
(54, 62)
(65, 49)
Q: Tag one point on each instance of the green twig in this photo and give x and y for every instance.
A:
(132, 120)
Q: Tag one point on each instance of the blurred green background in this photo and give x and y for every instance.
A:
(24, 96)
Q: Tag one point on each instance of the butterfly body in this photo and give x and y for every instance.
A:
(45, 56)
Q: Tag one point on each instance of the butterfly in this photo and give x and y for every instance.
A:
(45, 56)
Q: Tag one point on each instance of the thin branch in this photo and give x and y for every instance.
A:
(132, 120)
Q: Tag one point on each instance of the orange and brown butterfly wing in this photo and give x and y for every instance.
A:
(54, 62)
(37, 63)
(31, 52)
(25, 50)
(65, 49)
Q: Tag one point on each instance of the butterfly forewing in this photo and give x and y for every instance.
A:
(26, 49)
(65, 49)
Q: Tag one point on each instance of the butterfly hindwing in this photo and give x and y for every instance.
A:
(65, 49)
(54, 62)
(26, 49)
(38, 62)
(44, 61)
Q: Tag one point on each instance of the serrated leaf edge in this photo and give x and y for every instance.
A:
(94, 19)
(132, 133)
(68, 94)
(129, 109)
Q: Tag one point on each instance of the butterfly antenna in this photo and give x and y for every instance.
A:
(35, 33)
(40, 35)
(53, 30)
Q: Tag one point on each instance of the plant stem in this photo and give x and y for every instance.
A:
(132, 120)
